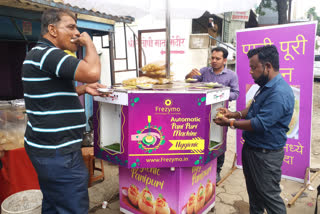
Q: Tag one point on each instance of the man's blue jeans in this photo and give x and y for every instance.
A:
(63, 181)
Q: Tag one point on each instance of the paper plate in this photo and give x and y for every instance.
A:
(105, 90)
(190, 80)
(213, 84)
(145, 86)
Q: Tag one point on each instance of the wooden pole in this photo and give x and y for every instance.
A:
(293, 200)
(233, 168)
(306, 177)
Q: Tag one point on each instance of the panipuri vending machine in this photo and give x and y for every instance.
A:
(165, 142)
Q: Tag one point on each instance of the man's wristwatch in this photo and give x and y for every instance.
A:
(232, 124)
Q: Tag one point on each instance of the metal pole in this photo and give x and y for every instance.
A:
(135, 54)
(168, 38)
(289, 11)
(112, 56)
(125, 44)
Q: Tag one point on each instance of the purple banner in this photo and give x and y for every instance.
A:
(295, 43)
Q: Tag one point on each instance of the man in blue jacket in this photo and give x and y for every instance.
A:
(264, 127)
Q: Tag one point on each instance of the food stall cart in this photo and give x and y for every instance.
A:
(165, 142)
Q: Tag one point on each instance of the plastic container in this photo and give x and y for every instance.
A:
(13, 121)
(26, 202)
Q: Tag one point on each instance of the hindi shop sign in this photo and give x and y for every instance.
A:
(295, 43)
(154, 45)
(240, 16)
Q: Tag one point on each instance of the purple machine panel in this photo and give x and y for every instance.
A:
(159, 190)
(162, 130)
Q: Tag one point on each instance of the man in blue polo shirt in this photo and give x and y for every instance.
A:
(218, 72)
(56, 118)
(264, 127)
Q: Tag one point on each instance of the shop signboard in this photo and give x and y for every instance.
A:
(240, 16)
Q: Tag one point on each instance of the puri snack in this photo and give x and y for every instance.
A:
(162, 206)
(153, 67)
(133, 194)
(156, 74)
(152, 73)
(157, 71)
(139, 81)
(191, 79)
(209, 190)
(146, 202)
(191, 204)
(154, 70)
(145, 85)
(164, 80)
(200, 199)
(219, 115)
(212, 84)
(295, 117)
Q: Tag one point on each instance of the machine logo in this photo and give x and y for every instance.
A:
(149, 138)
(168, 102)
(167, 108)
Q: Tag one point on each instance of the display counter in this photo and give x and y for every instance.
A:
(167, 126)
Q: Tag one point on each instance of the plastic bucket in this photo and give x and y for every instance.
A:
(26, 202)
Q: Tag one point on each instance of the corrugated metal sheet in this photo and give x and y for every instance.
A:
(40, 5)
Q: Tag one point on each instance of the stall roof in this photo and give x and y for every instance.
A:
(20, 19)
(82, 13)
(184, 9)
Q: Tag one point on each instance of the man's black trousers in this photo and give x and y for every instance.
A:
(262, 171)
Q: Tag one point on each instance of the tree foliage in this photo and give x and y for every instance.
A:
(281, 6)
(312, 14)
(265, 4)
